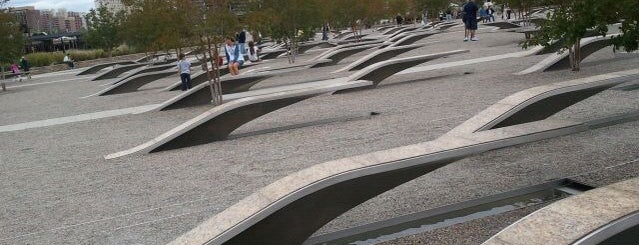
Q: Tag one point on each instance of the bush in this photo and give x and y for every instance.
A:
(45, 59)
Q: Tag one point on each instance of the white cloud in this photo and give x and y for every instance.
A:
(70, 5)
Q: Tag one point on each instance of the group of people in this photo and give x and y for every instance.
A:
(24, 65)
(487, 14)
(234, 49)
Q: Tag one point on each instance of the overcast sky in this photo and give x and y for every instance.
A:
(70, 5)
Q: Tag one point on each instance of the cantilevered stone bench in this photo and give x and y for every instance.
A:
(358, 36)
(201, 77)
(96, 68)
(378, 72)
(148, 69)
(338, 55)
(404, 30)
(412, 38)
(325, 59)
(219, 122)
(201, 94)
(445, 26)
(384, 28)
(392, 31)
(503, 25)
(379, 56)
(272, 54)
(592, 217)
(343, 34)
(291, 209)
(375, 73)
(323, 54)
(117, 71)
(302, 48)
(133, 83)
(150, 57)
(562, 61)
(542, 102)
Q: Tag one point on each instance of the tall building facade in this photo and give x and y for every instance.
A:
(35, 21)
(113, 5)
(28, 17)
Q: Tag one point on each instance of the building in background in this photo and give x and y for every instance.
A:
(28, 17)
(113, 5)
(35, 21)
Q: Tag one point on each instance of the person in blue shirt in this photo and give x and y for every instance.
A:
(483, 14)
(233, 56)
(470, 20)
(184, 70)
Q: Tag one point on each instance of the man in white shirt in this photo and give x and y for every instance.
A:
(184, 70)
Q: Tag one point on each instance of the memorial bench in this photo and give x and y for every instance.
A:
(96, 68)
(219, 122)
(560, 61)
(293, 208)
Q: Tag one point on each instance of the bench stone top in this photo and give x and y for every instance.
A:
(376, 53)
(510, 105)
(571, 220)
(240, 100)
(361, 73)
(556, 57)
(279, 194)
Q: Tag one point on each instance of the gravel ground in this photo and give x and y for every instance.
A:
(58, 189)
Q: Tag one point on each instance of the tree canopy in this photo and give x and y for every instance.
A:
(570, 20)
(103, 28)
(11, 39)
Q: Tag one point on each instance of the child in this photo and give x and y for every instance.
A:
(16, 70)
(253, 52)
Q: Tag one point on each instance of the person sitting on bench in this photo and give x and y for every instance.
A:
(234, 56)
(68, 61)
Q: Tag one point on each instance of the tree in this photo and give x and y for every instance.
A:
(628, 13)
(211, 26)
(570, 20)
(11, 39)
(152, 25)
(102, 29)
(289, 21)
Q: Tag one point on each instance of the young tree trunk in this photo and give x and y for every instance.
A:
(577, 58)
(216, 70)
(4, 88)
(216, 86)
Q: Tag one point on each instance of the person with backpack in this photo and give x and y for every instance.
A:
(184, 70)
(234, 57)
(470, 20)
(26, 66)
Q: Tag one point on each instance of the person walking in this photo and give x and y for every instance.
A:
(233, 56)
(470, 13)
(16, 72)
(184, 70)
(491, 14)
(241, 40)
(26, 66)
(325, 31)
